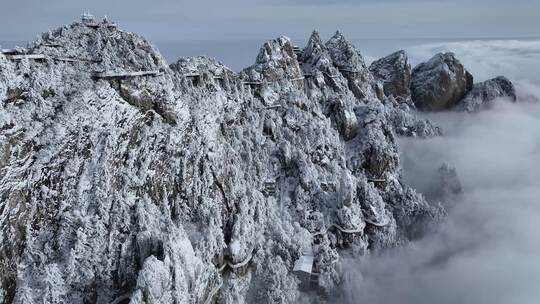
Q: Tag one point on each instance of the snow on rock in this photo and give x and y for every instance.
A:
(404, 119)
(276, 62)
(484, 93)
(440, 83)
(353, 67)
(194, 184)
(394, 71)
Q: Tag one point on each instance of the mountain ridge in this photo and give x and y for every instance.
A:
(190, 183)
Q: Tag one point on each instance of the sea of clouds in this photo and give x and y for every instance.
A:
(488, 248)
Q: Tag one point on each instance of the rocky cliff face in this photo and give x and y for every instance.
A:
(440, 83)
(124, 180)
(394, 72)
(483, 94)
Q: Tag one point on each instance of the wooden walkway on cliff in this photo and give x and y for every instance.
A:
(27, 56)
(123, 75)
(20, 54)
(18, 57)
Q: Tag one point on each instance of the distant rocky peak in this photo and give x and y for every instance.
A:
(314, 49)
(397, 59)
(440, 83)
(315, 39)
(394, 72)
(344, 54)
(275, 50)
(275, 62)
(483, 94)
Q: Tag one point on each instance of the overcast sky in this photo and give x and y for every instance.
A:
(258, 19)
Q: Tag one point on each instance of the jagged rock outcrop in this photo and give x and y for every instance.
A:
(352, 66)
(440, 83)
(124, 179)
(403, 117)
(394, 71)
(484, 93)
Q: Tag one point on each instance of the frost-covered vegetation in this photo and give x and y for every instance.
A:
(190, 183)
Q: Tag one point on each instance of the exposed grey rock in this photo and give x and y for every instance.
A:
(316, 56)
(194, 184)
(346, 119)
(406, 122)
(327, 86)
(351, 64)
(276, 62)
(334, 71)
(484, 93)
(440, 83)
(394, 71)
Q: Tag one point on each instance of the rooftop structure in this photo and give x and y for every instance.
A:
(304, 264)
(88, 19)
(303, 268)
(108, 23)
